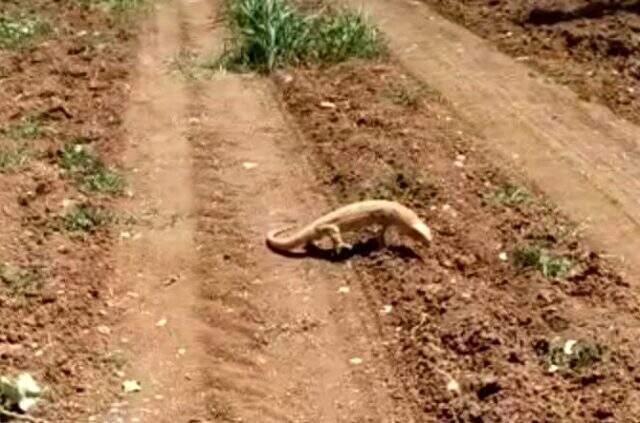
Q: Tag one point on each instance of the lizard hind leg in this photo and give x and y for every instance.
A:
(333, 231)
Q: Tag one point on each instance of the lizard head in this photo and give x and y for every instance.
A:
(422, 232)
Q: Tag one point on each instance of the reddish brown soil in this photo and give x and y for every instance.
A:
(593, 46)
(72, 81)
(273, 339)
(464, 312)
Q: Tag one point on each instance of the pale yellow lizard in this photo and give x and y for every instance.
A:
(350, 217)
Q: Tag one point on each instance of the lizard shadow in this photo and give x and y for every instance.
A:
(359, 249)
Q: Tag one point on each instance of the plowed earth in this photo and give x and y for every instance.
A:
(53, 296)
(464, 314)
(510, 315)
(593, 46)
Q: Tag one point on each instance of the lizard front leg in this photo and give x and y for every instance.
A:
(382, 241)
(333, 231)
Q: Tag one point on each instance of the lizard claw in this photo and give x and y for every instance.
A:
(343, 246)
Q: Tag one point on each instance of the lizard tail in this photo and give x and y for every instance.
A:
(279, 245)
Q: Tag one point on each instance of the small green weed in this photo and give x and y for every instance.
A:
(12, 158)
(21, 281)
(85, 219)
(551, 266)
(571, 356)
(26, 128)
(527, 257)
(74, 157)
(115, 5)
(91, 172)
(18, 30)
(554, 267)
(341, 35)
(103, 180)
(272, 34)
(511, 195)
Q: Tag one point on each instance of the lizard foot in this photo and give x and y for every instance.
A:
(343, 246)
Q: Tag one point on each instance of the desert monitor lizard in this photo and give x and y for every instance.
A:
(350, 217)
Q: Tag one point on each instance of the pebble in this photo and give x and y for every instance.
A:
(103, 330)
(328, 105)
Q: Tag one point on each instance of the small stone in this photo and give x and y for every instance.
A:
(328, 105)
(453, 386)
(356, 361)
(249, 165)
(162, 322)
(386, 309)
(129, 386)
(344, 290)
(104, 330)
(503, 256)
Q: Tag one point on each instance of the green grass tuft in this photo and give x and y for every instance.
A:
(18, 30)
(12, 158)
(27, 128)
(551, 266)
(272, 34)
(85, 219)
(581, 355)
(116, 5)
(511, 195)
(89, 171)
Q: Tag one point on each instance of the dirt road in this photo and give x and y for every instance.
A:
(220, 325)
